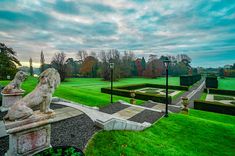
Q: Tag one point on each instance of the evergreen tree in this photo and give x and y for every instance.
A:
(8, 62)
(42, 61)
(31, 66)
(143, 63)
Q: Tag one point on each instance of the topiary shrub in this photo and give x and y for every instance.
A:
(211, 82)
(188, 80)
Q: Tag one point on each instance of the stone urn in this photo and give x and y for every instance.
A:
(185, 103)
(132, 93)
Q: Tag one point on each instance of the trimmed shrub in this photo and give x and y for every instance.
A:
(214, 107)
(138, 86)
(188, 80)
(211, 82)
(138, 95)
(222, 92)
(132, 86)
(170, 86)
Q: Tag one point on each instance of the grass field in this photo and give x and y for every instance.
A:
(198, 134)
(227, 83)
(87, 90)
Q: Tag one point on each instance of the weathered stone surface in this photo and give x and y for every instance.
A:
(41, 96)
(9, 99)
(30, 141)
(15, 85)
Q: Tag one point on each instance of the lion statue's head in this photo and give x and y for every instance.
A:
(51, 77)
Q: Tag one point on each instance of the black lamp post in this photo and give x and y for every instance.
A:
(111, 65)
(166, 63)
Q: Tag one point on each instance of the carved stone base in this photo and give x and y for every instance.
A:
(9, 99)
(29, 136)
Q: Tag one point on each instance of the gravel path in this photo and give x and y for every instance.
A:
(2, 114)
(75, 131)
(149, 104)
(4, 145)
(147, 116)
(113, 108)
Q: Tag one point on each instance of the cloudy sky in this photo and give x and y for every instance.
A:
(203, 29)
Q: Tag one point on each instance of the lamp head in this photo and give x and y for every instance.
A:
(166, 62)
(111, 65)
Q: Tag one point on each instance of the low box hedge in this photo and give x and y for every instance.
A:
(222, 92)
(186, 88)
(138, 95)
(138, 86)
(211, 82)
(213, 106)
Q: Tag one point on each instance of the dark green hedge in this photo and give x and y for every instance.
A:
(138, 95)
(211, 82)
(214, 107)
(132, 86)
(220, 91)
(188, 80)
(138, 86)
(186, 88)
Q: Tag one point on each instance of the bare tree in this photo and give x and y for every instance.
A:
(58, 62)
(82, 54)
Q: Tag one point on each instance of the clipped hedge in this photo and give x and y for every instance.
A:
(138, 86)
(186, 88)
(211, 82)
(220, 91)
(188, 80)
(138, 95)
(214, 107)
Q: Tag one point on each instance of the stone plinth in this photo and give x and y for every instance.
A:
(9, 99)
(29, 136)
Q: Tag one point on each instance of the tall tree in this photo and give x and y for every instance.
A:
(31, 66)
(82, 54)
(89, 67)
(127, 64)
(8, 61)
(58, 62)
(42, 61)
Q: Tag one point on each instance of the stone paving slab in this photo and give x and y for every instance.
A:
(128, 112)
(159, 106)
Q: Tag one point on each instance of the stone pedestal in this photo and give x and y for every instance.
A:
(9, 99)
(29, 136)
(185, 104)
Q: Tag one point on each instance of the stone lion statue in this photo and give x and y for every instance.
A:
(15, 85)
(41, 96)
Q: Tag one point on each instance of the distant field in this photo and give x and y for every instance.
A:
(227, 83)
(87, 90)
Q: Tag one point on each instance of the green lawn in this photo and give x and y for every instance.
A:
(87, 90)
(198, 134)
(227, 83)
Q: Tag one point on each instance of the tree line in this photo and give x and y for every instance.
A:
(126, 65)
(91, 64)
